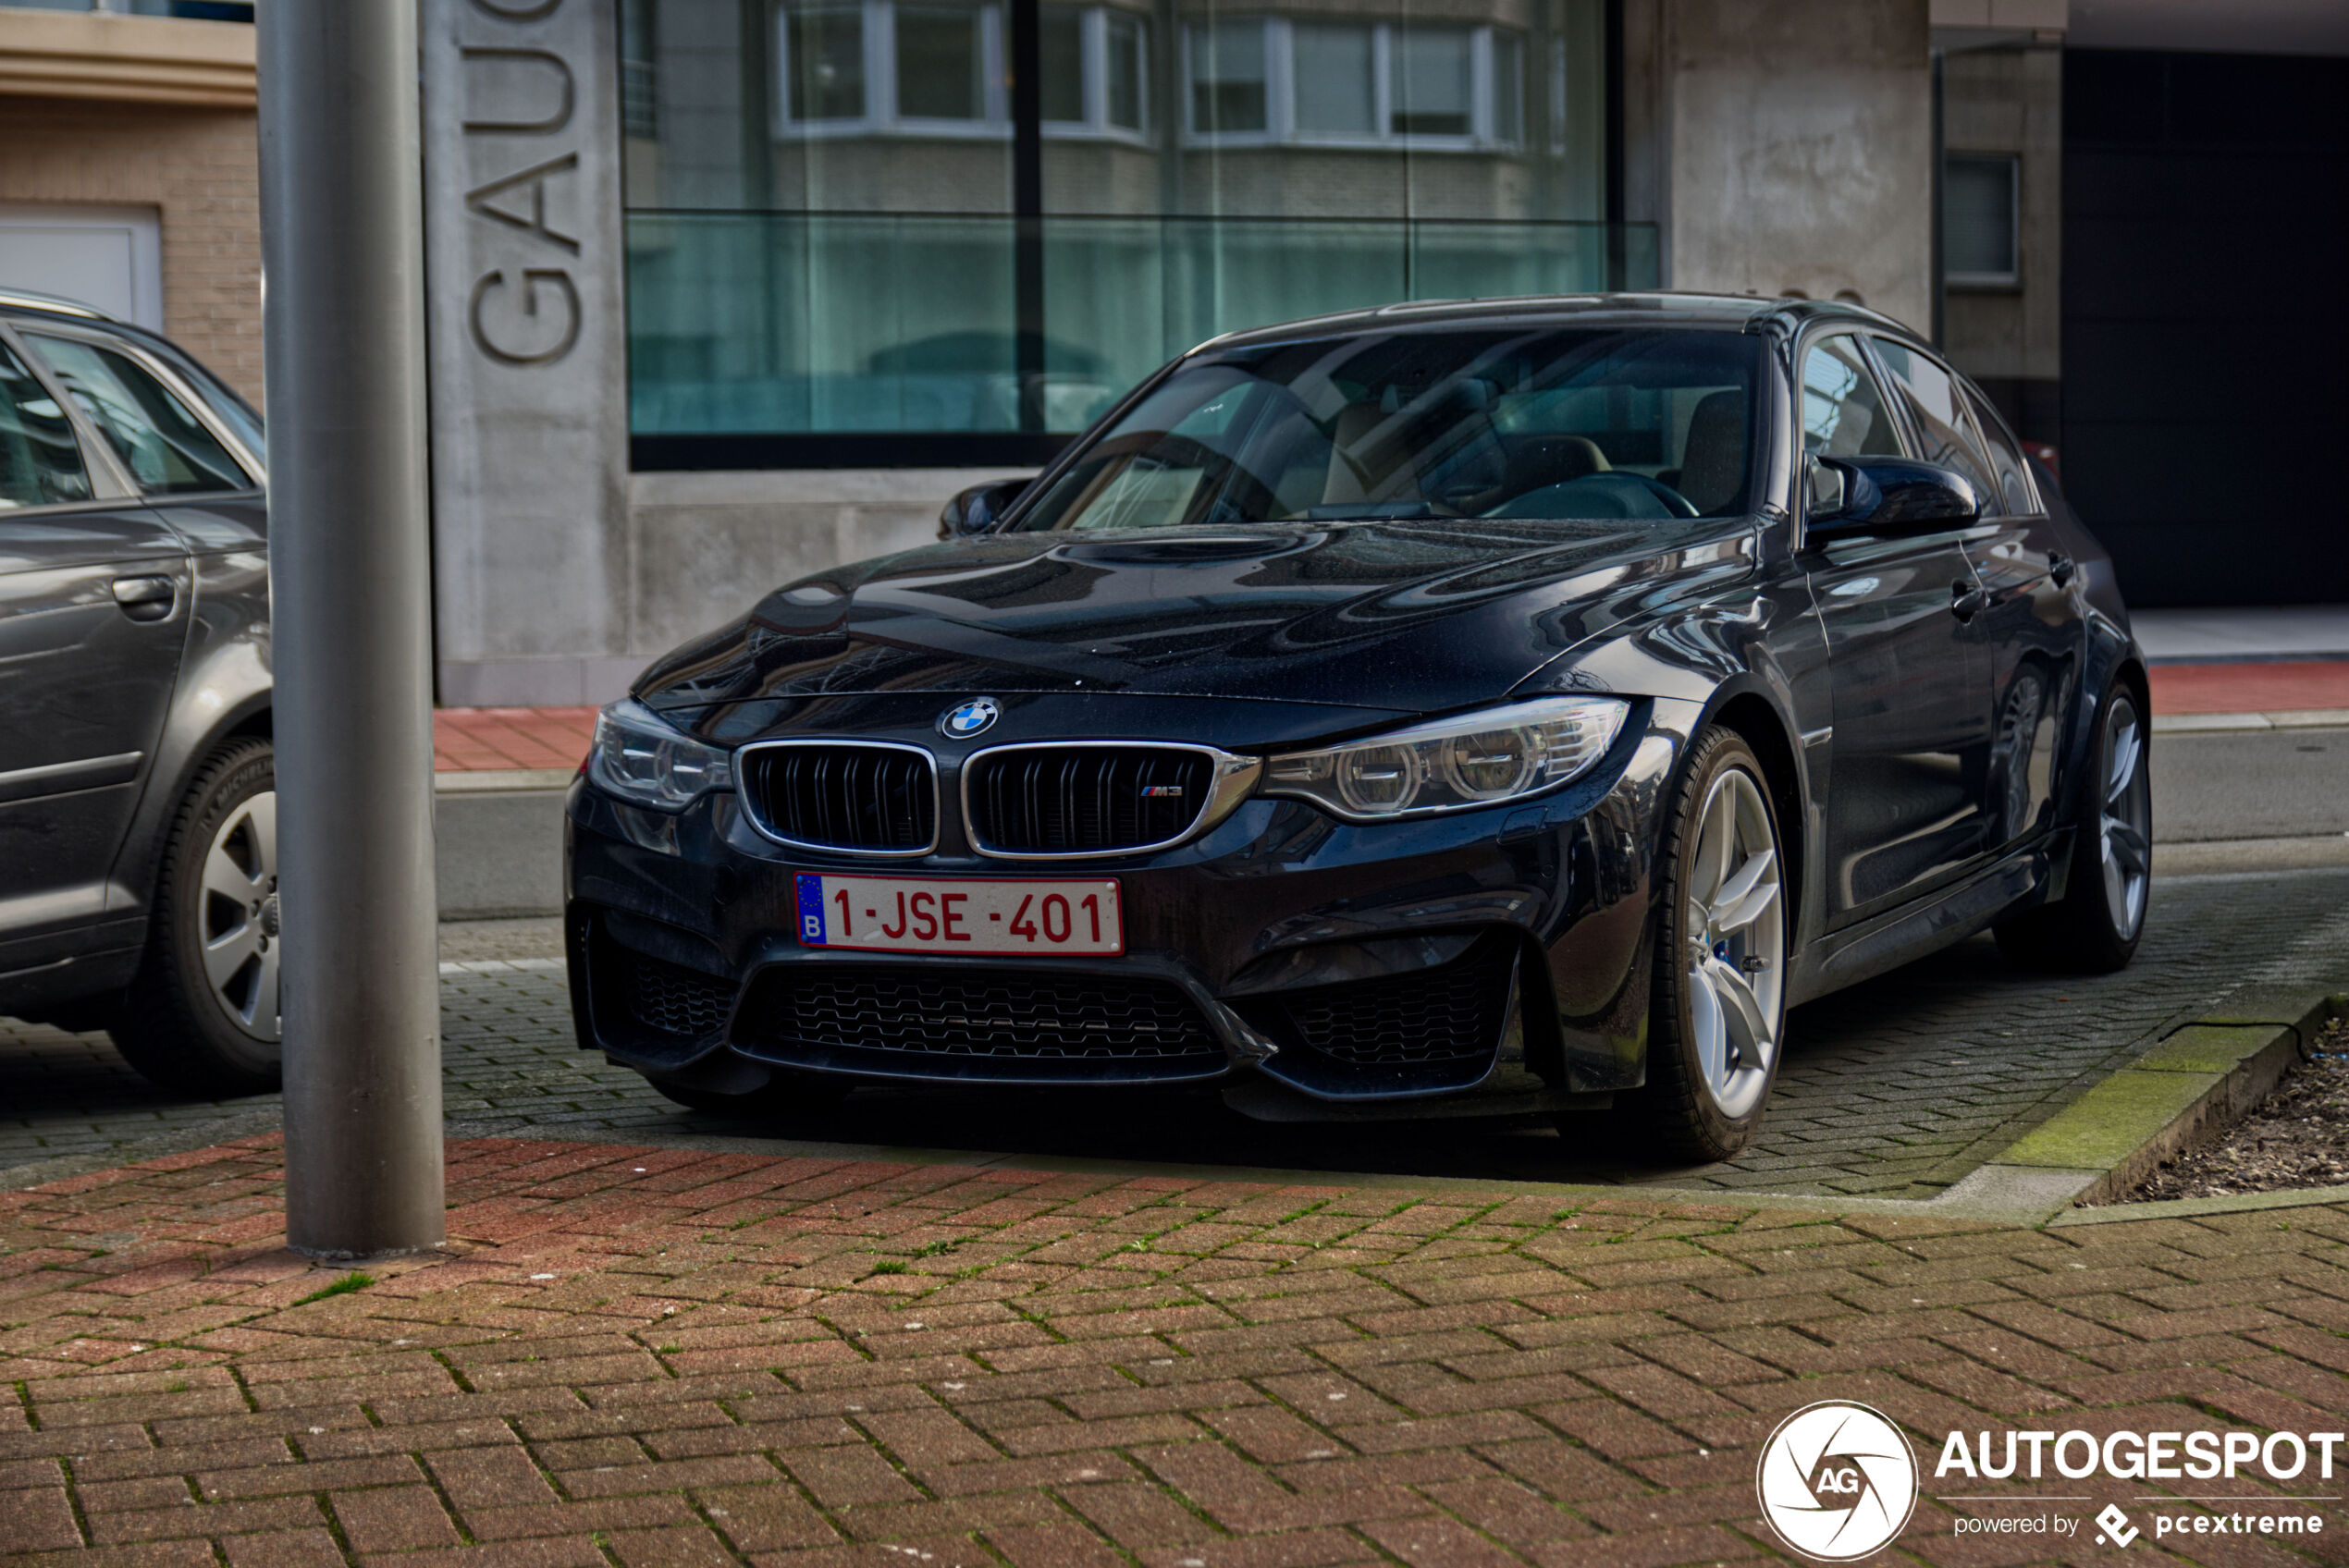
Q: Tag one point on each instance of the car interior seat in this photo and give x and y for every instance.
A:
(1713, 461)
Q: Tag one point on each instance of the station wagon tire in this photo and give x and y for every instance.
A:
(2094, 927)
(1717, 1013)
(200, 1016)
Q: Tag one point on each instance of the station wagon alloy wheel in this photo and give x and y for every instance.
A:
(240, 915)
(1736, 945)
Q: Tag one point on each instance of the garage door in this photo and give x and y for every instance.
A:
(110, 257)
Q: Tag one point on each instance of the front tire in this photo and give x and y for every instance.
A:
(200, 1016)
(1717, 1014)
(2094, 927)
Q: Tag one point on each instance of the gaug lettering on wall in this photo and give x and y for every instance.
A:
(525, 315)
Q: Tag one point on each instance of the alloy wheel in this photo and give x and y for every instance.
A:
(2125, 818)
(1735, 960)
(237, 911)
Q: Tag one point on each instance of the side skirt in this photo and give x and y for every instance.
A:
(1904, 935)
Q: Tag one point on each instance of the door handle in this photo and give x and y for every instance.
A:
(2061, 569)
(1966, 601)
(145, 598)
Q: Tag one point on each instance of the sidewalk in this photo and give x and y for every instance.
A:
(647, 1358)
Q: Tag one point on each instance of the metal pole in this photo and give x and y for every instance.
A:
(342, 240)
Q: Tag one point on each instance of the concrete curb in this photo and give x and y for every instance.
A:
(2202, 1077)
(2287, 718)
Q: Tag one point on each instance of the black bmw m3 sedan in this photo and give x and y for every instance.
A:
(1508, 706)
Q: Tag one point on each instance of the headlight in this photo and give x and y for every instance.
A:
(1454, 764)
(642, 760)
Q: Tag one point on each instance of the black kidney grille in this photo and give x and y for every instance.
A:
(1030, 1016)
(1447, 1013)
(1078, 800)
(674, 1000)
(845, 797)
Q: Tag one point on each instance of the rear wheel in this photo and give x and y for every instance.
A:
(201, 1014)
(1718, 1011)
(2096, 926)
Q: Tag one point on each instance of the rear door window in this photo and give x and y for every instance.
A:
(1933, 396)
(2015, 491)
(158, 438)
(40, 462)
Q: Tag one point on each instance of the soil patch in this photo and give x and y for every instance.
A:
(2297, 1137)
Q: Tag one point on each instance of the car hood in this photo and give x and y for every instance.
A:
(1413, 615)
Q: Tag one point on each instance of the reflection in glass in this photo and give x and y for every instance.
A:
(1432, 82)
(942, 61)
(1228, 76)
(1500, 421)
(1333, 89)
(1127, 60)
(825, 62)
(829, 243)
(1061, 45)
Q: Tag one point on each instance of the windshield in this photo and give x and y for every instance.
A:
(1497, 421)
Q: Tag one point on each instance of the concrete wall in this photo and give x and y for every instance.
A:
(1797, 143)
(198, 168)
(528, 354)
(707, 546)
(2011, 339)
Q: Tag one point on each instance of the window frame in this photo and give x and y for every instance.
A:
(884, 118)
(1281, 129)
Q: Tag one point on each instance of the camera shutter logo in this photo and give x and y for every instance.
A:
(966, 719)
(1837, 1481)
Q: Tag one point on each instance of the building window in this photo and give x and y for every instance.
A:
(1125, 68)
(1273, 79)
(1432, 91)
(823, 62)
(1336, 91)
(942, 59)
(1228, 79)
(1980, 219)
(945, 68)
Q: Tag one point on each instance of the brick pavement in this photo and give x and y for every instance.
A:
(1896, 1088)
(489, 739)
(655, 1358)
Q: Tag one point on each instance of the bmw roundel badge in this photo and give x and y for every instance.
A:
(966, 719)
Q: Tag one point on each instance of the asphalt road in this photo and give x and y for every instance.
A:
(2250, 784)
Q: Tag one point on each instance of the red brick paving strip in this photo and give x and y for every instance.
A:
(2251, 687)
(640, 1358)
(486, 739)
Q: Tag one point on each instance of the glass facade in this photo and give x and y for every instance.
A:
(844, 220)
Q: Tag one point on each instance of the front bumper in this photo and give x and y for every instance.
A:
(1485, 962)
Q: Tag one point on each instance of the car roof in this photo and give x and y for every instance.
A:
(1656, 307)
(30, 301)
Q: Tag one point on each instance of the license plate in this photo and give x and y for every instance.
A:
(910, 914)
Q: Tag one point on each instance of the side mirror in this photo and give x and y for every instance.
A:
(1887, 497)
(978, 510)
